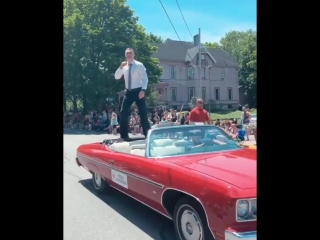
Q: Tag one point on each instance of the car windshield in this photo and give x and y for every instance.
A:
(188, 139)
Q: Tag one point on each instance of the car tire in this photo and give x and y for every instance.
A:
(99, 184)
(189, 219)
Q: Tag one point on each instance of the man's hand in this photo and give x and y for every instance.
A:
(123, 64)
(141, 94)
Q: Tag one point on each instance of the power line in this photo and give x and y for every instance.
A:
(164, 9)
(169, 20)
(184, 19)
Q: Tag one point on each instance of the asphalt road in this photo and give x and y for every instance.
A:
(88, 215)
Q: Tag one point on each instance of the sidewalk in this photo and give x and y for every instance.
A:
(251, 142)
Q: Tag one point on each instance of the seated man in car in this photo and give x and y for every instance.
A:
(196, 141)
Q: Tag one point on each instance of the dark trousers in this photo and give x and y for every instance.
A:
(130, 97)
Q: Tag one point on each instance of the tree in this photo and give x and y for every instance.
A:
(242, 46)
(193, 102)
(152, 99)
(152, 38)
(212, 45)
(96, 34)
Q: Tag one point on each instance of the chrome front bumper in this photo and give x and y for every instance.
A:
(229, 235)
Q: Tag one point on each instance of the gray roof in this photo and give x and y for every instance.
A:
(177, 51)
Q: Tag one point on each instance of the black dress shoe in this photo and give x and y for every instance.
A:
(126, 139)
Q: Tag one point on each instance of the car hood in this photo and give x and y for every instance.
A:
(238, 168)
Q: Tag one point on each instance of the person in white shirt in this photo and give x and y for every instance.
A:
(136, 81)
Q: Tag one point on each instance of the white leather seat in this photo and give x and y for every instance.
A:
(121, 147)
(163, 142)
(164, 147)
(137, 146)
(138, 152)
(138, 149)
(125, 147)
(166, 151)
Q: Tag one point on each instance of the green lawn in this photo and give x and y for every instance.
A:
(227, 115)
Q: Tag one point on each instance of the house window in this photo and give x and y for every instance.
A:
(203, 57)
(190, 73)
(173, 94)
(203, 73)
(217, 94)
(223, 74)
(229, 106)
(204, 93)
(229, 93)
(172, 72)
(191, 93)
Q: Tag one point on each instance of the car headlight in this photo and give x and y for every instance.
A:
(254, 207)
(246, 210)
(242, 208)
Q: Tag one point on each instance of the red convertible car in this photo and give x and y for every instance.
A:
(195, 175)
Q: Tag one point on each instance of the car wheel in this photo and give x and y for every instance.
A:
(190, 221)
(100, 185)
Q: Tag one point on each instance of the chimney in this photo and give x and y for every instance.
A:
(196, 40)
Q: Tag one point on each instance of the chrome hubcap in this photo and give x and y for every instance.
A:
(97, 179)
(191, 226)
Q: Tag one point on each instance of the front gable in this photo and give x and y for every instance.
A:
(192, 53)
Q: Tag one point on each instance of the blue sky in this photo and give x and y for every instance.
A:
(214, 17)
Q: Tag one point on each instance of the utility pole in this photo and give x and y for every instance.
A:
(199, 65)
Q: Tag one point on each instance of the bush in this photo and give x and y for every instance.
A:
(227, 115)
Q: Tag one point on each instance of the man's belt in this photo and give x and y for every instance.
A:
(135, 89)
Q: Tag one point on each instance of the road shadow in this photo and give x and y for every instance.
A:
(152, 223)
(67, 131)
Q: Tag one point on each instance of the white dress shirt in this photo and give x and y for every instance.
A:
(139, 76)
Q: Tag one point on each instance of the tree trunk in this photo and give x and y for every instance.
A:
(84, 103)
(98, 102)
(75, 105)
(100, 107)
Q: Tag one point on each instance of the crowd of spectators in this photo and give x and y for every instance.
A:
(108, 121)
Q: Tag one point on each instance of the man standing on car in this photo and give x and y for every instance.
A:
(136, 81)
(198, 114)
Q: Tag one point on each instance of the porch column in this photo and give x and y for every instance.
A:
(165, 94)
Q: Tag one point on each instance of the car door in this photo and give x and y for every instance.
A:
(106, 162)
(145, 178)
(152, 177)
(122, 174)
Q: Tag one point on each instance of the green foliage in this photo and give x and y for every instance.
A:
(242, 46)
(96, 34)
(193, 102)
(212, 45)
(223, 115)
(152, 38)
(152, 99)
